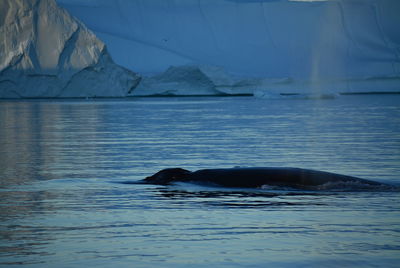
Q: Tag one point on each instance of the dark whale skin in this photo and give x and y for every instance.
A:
(256, 177)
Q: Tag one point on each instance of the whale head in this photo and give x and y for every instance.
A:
(168, 175)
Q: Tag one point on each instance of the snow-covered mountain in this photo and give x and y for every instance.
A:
(331, 45)
(45, 52)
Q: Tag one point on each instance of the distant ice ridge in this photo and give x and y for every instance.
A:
(280, 46)
(212, 80)
(45, 52)
(194, 80)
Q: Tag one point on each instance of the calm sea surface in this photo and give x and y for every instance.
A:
(63, 203)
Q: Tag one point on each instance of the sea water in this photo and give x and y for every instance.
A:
(64, 203)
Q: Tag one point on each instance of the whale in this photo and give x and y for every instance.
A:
(259, 177)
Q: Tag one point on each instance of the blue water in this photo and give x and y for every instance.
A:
(63, 203)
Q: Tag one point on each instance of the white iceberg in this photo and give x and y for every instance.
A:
(182, 80)
(45, 52)
(282, 45)
(193, 80)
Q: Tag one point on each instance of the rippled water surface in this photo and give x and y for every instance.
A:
(63, 203)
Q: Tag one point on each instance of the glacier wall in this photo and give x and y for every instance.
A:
(336, 45)
(45, 52)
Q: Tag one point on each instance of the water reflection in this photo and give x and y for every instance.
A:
(42, 140)
(59, 161)
(38, 140)
(241, 198)
(180, 193)
(24, 240)
(20, 204)
(27, 241)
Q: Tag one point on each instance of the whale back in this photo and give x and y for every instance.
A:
(283, 177)
(250, 177)
(256, 177)
(166, 176)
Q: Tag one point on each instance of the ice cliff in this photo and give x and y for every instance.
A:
(265, 47)
(45, 52)
(271, 45)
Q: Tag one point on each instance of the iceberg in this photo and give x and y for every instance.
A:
(284, 46)
(180, 80)
(193, 80)
(221, 47)
(46, 52)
